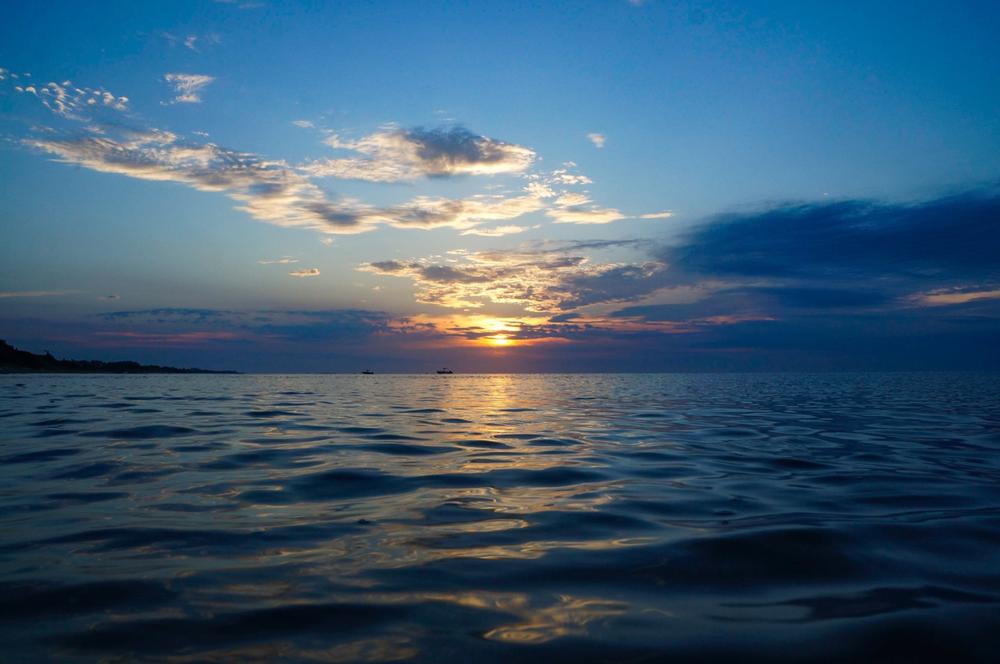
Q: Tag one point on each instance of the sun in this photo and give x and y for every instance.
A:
(499, 340)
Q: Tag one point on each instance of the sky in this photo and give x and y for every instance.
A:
(503, 187)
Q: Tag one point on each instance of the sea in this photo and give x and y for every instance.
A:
(500, 518)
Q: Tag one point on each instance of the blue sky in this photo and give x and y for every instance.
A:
(502, 186)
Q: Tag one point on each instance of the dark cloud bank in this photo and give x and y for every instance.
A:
(849, 285)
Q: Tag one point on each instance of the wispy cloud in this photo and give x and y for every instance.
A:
(597, 139)
(192, 42)
(307, 272)
(394, 155)
(39, 293)
(127, 338)
(497, 231)
(577, 208)
(284, 260)
(956, 296)
(666, 214)
(188, 87)
(268, 190)
(260, 326)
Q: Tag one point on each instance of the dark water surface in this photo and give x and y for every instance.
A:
(499, 518)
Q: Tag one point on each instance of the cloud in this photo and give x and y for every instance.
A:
(70, 101)
(577, 214)
(428, 212)
(113, 296)
(307, 272)
(187, 87)
(266, 326)
(858, 266)
(666, 214)
(540, 280)
(956, 296)
(565, 176)
(270, 190)
(127, 338)
(255, 339)
(164, 315)
(806, 297)
(577, 208)
(38, 293)
(304, 124)
(283, 194)
(395, 155)
(284, 260)
(598, 140)
(191, 42)
(497, 231)
(947, 238)
(821, 285)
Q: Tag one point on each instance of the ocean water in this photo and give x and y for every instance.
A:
(500, 518)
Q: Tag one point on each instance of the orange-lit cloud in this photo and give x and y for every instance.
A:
(943, 297)
(537, 280)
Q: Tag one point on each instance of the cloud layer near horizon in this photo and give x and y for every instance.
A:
(801, 271)
(911, 286)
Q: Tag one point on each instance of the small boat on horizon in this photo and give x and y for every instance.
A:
(445, 370)
(368, 372)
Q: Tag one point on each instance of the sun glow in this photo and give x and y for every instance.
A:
(500, 340)
(502, 332)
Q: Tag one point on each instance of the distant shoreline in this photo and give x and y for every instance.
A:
(15, 361)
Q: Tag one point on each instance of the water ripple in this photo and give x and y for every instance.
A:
(500, 518)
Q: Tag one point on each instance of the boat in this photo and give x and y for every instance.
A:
(445, 371)
(368, 372)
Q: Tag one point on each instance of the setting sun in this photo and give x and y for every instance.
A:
(500, 340)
